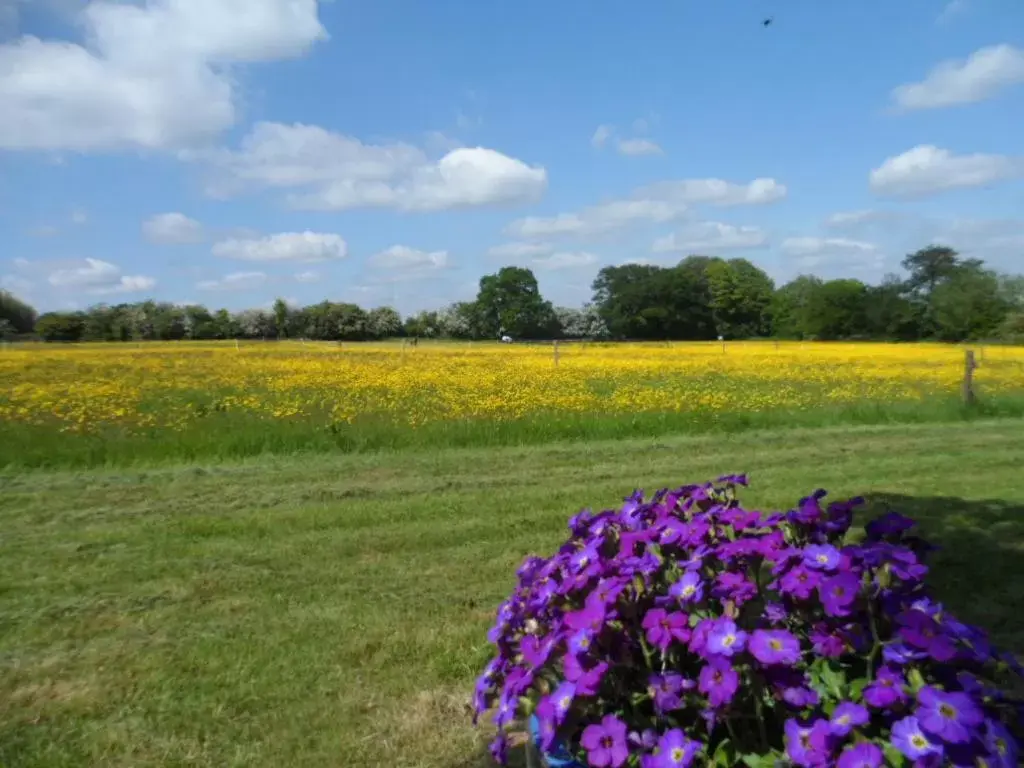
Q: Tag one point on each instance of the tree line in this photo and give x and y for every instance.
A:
(941, 297)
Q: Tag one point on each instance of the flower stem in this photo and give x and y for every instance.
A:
(877, 646)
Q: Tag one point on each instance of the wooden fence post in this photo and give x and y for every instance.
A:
(967, 389)
(556, 353)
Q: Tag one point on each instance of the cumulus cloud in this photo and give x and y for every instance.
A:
(285, 246)
(307, 277)
(601, 136)
(99, 277)
(561, 260)
(402, 257)
(951, 10)
(842, 219)
(152, 76)
(927, 169)
(711, 236)
(626, 146)
(519, 250)
(656, 204)
(809, 252)
(172, 228)
(962, 81)
(16, 284)
(324, 170)
(236, 281)
(639, 147)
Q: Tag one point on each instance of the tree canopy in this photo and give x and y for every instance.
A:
(941, 297)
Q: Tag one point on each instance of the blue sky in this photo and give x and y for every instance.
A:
(392, 152)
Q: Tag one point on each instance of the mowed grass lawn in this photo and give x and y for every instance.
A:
(331, 610)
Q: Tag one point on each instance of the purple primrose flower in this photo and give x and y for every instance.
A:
(775, 646)
(605, 743)
(846, 717)
(725, 639)
(952, 717)
(674, 750)
(909, 739)
(863, 755)
(689, 589)
(660, 628)
(718, 681)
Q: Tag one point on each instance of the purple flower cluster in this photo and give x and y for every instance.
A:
(685, 630)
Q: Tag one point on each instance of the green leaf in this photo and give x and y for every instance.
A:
(893, 757)
(916, 680)
(857, 688)
(725, 755)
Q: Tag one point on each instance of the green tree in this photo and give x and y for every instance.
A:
(61, 326)
(740, 298)
(20, 316)
(837, 310)
(509, 302)
(790, 304)
(383, 323)
(281, 317)
(224, 325)
(967, 305)
(890, 314)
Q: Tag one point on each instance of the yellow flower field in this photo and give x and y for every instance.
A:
(153, 389)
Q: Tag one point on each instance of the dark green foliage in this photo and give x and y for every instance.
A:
(510, 302)
(943, 297)
(16, 316)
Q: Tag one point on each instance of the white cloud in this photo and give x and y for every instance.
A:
(601, 136)
(927, 169)
(809, 252)
(307, 277)
(99, 277)
(172, 228)
(635, 147)
(15, 284)
(79, 217)
(564, 260)
(152, 75)
(711, 236)
(330, 171)
(812, 246)
(657, 204)
(843, 219)
(402, 257)
(961, 81)
(519, 250)
(718, 192)
(286, 246)
(951, 10)
(236, 281)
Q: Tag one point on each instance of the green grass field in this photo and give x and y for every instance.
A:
(330, 610)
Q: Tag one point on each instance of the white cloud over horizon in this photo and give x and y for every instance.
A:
(285, 246)
(319, 169)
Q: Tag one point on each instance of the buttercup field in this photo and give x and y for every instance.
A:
(96, 404)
